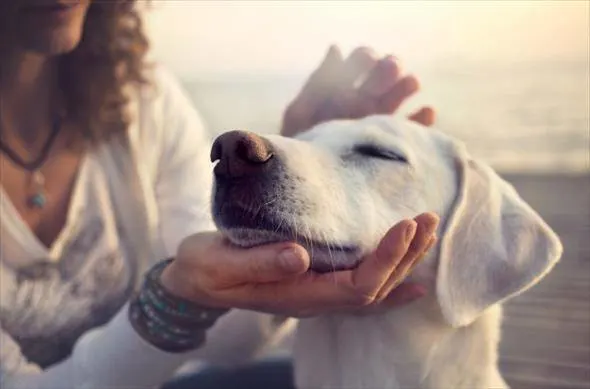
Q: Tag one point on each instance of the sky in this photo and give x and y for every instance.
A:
(196, 37)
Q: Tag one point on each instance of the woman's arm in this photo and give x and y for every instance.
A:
(109, 357)
(183, 186)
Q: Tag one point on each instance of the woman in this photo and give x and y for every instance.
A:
(104, 174)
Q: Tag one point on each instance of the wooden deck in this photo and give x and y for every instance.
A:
(546, 332)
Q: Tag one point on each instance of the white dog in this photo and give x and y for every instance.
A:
(337, 189)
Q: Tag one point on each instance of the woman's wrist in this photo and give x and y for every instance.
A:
(178, 282)
(167, 321)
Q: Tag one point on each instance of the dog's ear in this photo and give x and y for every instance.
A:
(494, 246)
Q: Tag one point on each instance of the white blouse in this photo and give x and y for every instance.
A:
(63, 310)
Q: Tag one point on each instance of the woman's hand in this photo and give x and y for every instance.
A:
(333, 91)
(275, 278)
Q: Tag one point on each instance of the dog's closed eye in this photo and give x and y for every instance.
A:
(374, 151)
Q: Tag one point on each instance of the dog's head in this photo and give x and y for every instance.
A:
(337, 188)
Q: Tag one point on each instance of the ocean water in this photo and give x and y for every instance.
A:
(520, 118)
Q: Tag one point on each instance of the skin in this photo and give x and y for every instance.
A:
(331, 93)
(207, 270)
(28, 78)
(260, 279)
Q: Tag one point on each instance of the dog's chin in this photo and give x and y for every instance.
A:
(325, 257)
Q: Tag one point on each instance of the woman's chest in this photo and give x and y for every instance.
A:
(49, 297)
(42, 198)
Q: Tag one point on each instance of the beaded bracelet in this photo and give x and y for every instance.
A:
(170, 323)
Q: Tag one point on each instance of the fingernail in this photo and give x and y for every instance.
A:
(411, 231)
(291, 260)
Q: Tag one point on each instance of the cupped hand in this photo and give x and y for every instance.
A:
(276, 279)
(362, 84)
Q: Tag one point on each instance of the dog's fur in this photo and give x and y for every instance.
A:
(332, 190)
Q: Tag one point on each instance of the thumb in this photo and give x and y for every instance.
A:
(264, 264)
(424, 116)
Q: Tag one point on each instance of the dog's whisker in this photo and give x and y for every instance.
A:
(295, 228)
(309, 241)
(326, 242)
(279, 225)
(270, 202)
(259, 209)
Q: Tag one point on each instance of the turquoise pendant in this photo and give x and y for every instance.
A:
(38, 200)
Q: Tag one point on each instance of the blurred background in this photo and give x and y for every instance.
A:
(510, 78)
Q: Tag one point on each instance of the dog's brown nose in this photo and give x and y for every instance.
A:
(240, 153)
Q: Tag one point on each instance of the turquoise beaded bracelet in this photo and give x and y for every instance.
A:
(170, 323)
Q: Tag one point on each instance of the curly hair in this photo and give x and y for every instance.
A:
(109, 57)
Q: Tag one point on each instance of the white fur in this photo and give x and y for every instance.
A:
(492, 246)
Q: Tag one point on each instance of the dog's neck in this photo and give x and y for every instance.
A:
(400, 348)
(359, 351)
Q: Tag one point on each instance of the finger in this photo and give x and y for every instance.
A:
(314, 93)
(403, 88)
(266, 263)
(331, 62)
(375, 269)
(226, 265)
(428, 220)
(407, 292)
(429, 246)
(426, 225)
(424, 116)
(382, 78)
(363, 106)
(310, 292)
(337, 106)
(358, 64)
(417, 252)
(324, 79)
(345, 105)
(305, 294)
(302, 295)
(404, 294)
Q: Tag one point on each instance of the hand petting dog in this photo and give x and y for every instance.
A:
(360, 85)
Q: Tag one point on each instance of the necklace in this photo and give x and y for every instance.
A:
(38, 198)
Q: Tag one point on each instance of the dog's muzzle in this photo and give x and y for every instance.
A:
(246, 177)
(253, 200)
